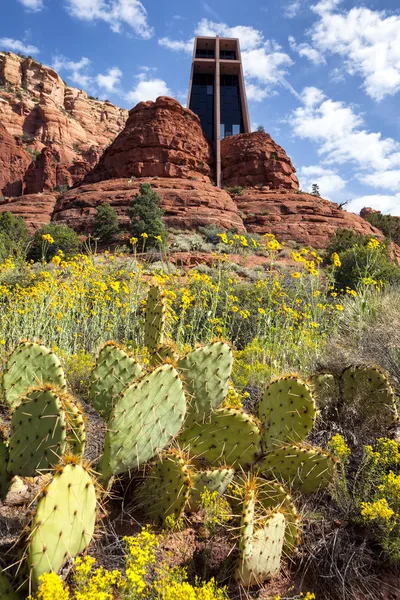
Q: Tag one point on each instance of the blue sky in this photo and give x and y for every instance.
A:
(322, 77)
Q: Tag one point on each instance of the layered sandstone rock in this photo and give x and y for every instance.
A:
(160, 139)
(48, 173)
(14, 161)
(42, 111)
(36, 209)
(187, 203)
(301, 217)
(254, 159)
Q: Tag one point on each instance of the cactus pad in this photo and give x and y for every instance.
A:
(228, 436)
(325, 389)
(6, 591)
(369, 391)
(215, 480)
(4, 476)
(30, 365)
(165, 491)
(306, 469)
(144, 420)
(38, 433)
(64, 522)
(76, 431)
(154, 319)
(287, 411)
(206, 372)
(260, 557)
(113, 372)
(273, 496)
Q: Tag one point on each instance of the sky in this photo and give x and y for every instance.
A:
(322, 77)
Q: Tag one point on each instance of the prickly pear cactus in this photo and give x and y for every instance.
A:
(163, 354)
(144, 420)
(273, 496)
(325, 388)
(64, 522)
(76, 430)
(113, 372)
(6, 591)
(261, 555)
(206, 372)
(30, 365)
(368, 390)
(214, 480)
(165, 490)
(154, 319)
(228, 436)
(306, 469)
(38, 433)
(287, 411)
(4, 475)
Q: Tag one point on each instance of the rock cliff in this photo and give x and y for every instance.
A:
(300, 217)
(254, 159)
(41, 112)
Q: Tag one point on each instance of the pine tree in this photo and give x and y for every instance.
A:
(105, 222)
(145, 215)
(315, 189)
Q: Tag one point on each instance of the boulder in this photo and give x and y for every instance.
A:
(254, 159)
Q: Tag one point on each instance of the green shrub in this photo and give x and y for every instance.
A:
(389, 225)
(362, 263)
(14, 236)
(105, 224)
(237, 190)
(346, 239)
(145, 214)
(64, 239)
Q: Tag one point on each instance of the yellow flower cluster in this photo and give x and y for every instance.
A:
(141, 555)
(376, 511)
(336, 259)
(373, 243)
(51, 587)
(386, 453)
(390, 486)
(46, 237)
(309, 258)
(339, 448)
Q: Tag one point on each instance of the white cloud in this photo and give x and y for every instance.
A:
(340, 134)
(111, 80)
(368, 40)
(148, 89)
(386, 204)
(329, 182)
(177, 45)
(77, 70)
(257, 93)
(116, 12)
(306, 51)
(387, 180)
(32, 5)
(292, 9)
(250, 37)
(18, 46)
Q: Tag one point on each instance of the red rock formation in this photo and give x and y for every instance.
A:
(48, 173)
(188, 204)
(38, 107)
(304, 218)
(160, 139)
(14, 161)
(254, 159)
(37, 209)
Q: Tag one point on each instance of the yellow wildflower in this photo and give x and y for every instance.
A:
(133, 241)
(46, 237)
(378, 510)
(336, 259)
(339, 448)
(56, 260)
(296, 275)
(373, 243)
(144, 235)
(339, 307)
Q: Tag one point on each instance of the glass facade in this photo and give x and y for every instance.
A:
(227, 54)
(231, 109)
(202, 101)
(204, 53)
